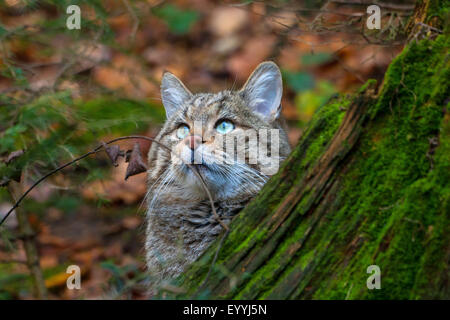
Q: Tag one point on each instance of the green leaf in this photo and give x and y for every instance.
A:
(16, 74)
(298, 81)
(3, 31)
(9, 137)
(116, 272)
(67, 203)
(315, 59)
(309, 101)
(179, 21)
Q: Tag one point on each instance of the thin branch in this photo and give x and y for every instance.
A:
(29, 243)
(6, 261)
(320, 13)
(215, 258)
(99, 148)
(392, 6)
(134, 17)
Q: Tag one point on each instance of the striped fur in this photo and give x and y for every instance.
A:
(180, 223)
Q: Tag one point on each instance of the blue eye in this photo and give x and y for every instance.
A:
(225, 126)
(182, 131)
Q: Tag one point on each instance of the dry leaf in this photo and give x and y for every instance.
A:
(14, 155)
(225, 21)
(135, 163)
(113, 153)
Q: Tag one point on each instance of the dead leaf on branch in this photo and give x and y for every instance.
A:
(135, 163)
(113, 153)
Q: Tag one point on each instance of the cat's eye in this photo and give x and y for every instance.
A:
(182, 131)
(225, 126)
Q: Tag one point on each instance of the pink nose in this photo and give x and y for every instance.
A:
(193, 141)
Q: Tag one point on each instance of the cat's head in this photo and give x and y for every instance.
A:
(232, 137)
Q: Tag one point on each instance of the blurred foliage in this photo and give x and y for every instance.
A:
(179, 21)
(309, 93)
(123, 278)
(316, 58)
(308, 101)
(298, 81)
(54, 126)
(11, 281)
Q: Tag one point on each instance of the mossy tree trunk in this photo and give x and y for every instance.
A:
(368, 184)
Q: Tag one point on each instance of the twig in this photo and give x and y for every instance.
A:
(100, 147)
(135, 19)
(392, 6)
(320, 13)
(5, 261)
(244, 6)
(348, 69)
(215, 258)
(31, 251)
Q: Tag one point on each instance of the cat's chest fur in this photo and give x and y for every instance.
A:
(178, 232)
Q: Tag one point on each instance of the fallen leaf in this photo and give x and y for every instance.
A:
(225, 21)
(131, 222)
(255, 51)
(4, 181)
(14, 155)
(57, 280)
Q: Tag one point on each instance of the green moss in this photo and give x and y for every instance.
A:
(327, 120)
(391, 187)
(439, 10)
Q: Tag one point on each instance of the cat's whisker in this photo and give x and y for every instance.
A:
(168, 176)
(232, 170)
(149, 190)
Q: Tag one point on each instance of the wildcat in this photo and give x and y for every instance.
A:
(180, 221)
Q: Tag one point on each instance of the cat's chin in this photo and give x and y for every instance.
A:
(207, 173)
(220, 187)
(214, 179)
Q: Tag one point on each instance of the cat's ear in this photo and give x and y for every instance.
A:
(263, 90)
(173, 93)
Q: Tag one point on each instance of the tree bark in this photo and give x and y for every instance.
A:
(368, 184)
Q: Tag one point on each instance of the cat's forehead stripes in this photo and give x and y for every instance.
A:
(203, 107)
(205, 100)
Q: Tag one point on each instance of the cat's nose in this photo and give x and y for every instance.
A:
(193, 142)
